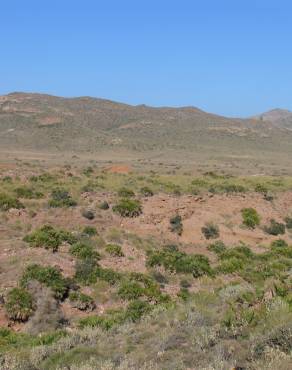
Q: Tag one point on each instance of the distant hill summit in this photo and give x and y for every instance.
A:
(48, 123)
(280, 117)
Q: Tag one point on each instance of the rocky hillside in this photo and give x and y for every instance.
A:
(47, 123)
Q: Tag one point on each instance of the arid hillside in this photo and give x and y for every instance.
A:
(87, 126)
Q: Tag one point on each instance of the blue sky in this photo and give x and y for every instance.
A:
(232, 57)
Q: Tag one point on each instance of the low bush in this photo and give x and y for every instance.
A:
(176, 225)
(275, 228)
(19, 304)
(89, 214)
(85, 271)
(179, 262)
(49, 276)
(108, 275)
(104, 205)
(288, 221)
(89, 231)
(125, 193)
(210, 231)
(81, 301)
(7, 202)
(84, 250)
(49, 238)
(146, 191)
(217, 247)
(262, 189)
(28, 193)
(114, 250)
(130, 290)
(128, 208)
(61, 198)
(279, 243)
(250, 218)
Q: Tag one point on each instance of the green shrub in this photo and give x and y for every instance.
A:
(19, 304)
(217, 247)
(61, 198)
(125, 193)
(146, 191)
(231, 265)
(136, 310)
(176, 225)
(275, 228)
(128, 208)
(210, 231)
(260, 188)
(185, 283)
(83, 251)
(49, 238)
(28, 193)
(43, 178)
(114, 250)
(89, 231)
(250, 217)
(47, 275)
(288, 221)
(7, 202)
(108, 275)
(88, 171)
(81, 301)
(87, 213)
(179, 262)
(184, 294)
(85, 271)
(104, 205)
(130, 290)
(279, 243)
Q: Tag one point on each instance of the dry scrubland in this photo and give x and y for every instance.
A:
(112, 266)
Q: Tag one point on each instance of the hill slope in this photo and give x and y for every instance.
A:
(279, 117)
(43, 123)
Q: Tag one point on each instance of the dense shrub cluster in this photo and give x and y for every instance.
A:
(19, 304)
(49, 276)
(128, 208)
(49, 238)
(7, 202)
(28, 193)
(275, 228)
(174, 260)
(83, 250)
(81, 301)
(61, 198)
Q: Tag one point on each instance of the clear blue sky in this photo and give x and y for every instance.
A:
(232, 57)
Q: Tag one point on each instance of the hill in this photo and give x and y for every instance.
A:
(278, 117)
(88, 126)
